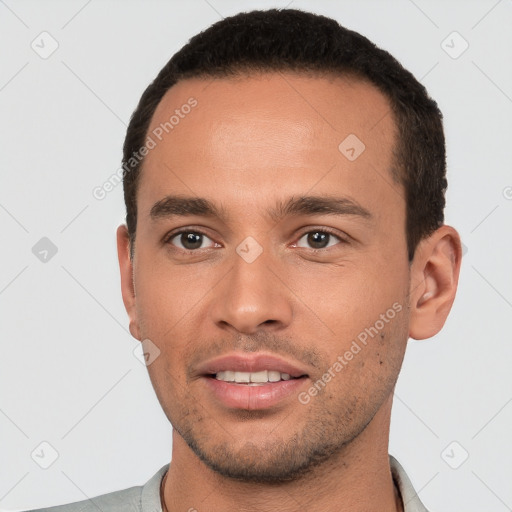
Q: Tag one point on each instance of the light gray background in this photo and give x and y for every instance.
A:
(68, 375)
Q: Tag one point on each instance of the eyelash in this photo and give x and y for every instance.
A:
(174, 234)
(332, 232)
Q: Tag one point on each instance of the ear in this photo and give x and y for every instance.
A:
(127, 285)
(434, 277)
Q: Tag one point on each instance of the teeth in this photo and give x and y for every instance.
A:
(242, 377)
(259, 376)
(227, 376)
(274, 376)
(252, 377)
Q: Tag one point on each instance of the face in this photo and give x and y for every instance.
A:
(270, 268)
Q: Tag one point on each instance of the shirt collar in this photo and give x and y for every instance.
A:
(150, 496)
(410, 498)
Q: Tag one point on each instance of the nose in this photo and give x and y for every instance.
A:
(252, 297)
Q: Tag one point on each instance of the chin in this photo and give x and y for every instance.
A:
(273, 461)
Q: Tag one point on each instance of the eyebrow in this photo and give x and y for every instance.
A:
(181, 206)
(319, 205)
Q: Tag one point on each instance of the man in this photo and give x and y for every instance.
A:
(284, 184)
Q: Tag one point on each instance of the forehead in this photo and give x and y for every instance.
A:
(269, 131)
(307, 105)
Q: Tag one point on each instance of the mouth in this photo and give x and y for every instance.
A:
(252, 382)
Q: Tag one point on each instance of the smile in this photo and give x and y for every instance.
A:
(254, 381)
(252, 378)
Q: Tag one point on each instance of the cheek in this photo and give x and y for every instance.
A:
(367, 316)
(349, 298)
(167, 298)
(367, 365)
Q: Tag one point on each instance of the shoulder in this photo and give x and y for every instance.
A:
(127, 499)
(410, 498)
(143, 498)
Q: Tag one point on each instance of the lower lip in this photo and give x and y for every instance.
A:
(253, 398)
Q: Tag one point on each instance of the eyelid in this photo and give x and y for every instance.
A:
(174, 233)
(342, 237)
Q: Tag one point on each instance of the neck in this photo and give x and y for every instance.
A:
(357, 478)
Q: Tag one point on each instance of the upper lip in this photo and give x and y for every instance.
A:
(254, 362)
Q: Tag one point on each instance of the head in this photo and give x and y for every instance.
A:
(284, 185)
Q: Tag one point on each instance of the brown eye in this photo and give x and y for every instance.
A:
(189, 240)
(318, 240)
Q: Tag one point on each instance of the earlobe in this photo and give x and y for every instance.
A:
(434, 278)
(127, 285)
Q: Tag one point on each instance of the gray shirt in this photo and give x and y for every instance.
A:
(146, 498)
